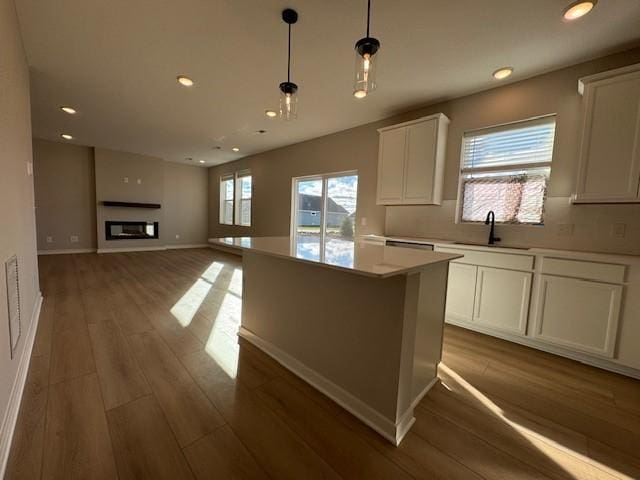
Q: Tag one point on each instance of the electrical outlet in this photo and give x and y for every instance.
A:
(619, 230)
(49, 239)
(139, 181)
(73, 239)
(363, 221)
(125, 180)
(565, 229)
(177, 237)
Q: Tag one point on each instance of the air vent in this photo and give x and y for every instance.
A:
(13, 302)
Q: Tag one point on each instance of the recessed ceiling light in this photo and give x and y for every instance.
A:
(235, 149)
(69, 110)
(201, 161)
(360, 93)
(261, 132)
(66, 136)
(188, 159)
(270, 113)
(502, 73)
(578, 9)
(185, 81)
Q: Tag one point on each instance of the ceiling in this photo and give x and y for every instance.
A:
(116, 61)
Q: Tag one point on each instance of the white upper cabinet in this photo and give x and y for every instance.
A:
(411, 162)
(609, 168)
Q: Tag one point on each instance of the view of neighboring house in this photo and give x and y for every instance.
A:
(310, 206)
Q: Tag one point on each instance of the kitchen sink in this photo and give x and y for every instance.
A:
(478, 244)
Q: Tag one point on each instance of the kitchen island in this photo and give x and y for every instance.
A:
(362, 323)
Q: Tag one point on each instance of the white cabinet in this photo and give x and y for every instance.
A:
(461, 292)
(609, 168)
(411, 162)
(502, 299)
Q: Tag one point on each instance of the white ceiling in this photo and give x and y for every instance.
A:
(116, 61)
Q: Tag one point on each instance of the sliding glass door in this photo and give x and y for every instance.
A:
(323, 220)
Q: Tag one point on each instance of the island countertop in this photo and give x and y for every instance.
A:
(356, 257)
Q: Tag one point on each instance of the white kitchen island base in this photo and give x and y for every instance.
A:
(371, 342)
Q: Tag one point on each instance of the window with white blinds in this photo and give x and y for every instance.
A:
(506, 169)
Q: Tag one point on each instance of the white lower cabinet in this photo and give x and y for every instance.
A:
(461, 291)
(502, 299)
(578, 314)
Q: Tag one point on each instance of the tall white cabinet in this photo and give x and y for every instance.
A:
(609, 166)
(411, 161)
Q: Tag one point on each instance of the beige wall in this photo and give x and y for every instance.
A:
(185, 199)
(65, 192)
(17, 220)
(355, 149)
(555, 92)
(112, 169)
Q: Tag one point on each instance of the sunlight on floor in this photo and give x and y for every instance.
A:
(540, 442)
(185, 309)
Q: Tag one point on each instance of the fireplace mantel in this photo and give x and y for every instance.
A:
(111, 203)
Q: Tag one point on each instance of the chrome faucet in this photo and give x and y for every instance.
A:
(491, 219)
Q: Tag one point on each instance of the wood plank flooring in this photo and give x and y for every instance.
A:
(137, 373)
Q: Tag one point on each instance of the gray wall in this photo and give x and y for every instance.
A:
(65, 191)
(357, 149)
(17, 220)
(186, 212)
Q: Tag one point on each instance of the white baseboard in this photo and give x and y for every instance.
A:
(66, 251)
(381, 424)
(194, 245)
(528, 342)
(131, 249)
(15, 398)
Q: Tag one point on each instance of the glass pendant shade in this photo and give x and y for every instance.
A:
(288, 101)
(366, 60)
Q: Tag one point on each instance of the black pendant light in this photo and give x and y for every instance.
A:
(288, 89)
(366, 49)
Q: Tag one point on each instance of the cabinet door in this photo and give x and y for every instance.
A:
(578, 314)
(461, 291)
(610, 150)
(420, 166)
(391, 166)
(502, 299)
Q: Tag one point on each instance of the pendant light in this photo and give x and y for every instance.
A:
(288, 89)
(366, 49)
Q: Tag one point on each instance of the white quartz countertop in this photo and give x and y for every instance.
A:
(356, 257)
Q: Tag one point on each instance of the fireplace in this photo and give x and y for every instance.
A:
(131, 230)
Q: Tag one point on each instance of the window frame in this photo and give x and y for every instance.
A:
(462, 171)
(223, 198)
(238, 199)
(324, 177)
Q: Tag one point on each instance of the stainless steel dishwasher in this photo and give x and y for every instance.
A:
(404, 244)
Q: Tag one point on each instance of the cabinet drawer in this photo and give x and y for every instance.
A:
(490, 259)
(604, 272)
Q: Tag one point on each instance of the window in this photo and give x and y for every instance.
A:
(506, 169)
(243, 199)
(323, 219)
(226, 199)
(235, 199)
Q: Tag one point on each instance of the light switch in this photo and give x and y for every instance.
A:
(619, 230)
(125, 179)
(139, 181)
(73, 239)
(363, 221)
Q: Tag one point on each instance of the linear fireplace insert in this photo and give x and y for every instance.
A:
(130, 230)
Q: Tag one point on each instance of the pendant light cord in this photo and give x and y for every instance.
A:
(289, 58)
(368, 15)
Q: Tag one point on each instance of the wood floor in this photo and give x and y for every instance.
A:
(137, 373)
